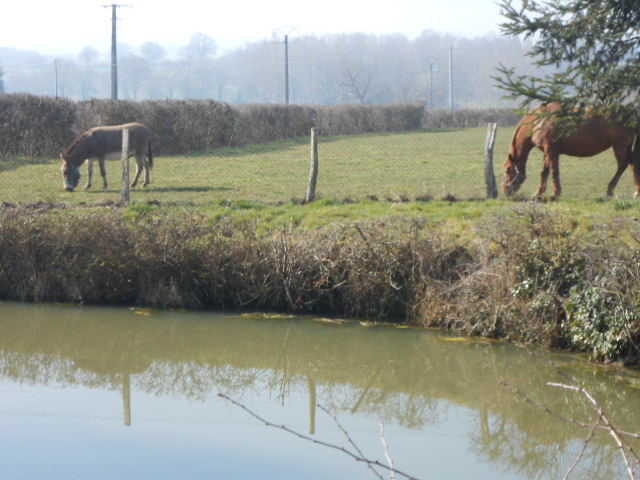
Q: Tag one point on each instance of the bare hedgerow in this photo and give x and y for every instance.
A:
(536, 280)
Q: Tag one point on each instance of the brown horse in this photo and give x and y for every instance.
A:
(102, 143)
(592, 136)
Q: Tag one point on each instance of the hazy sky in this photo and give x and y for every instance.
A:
(67, 26)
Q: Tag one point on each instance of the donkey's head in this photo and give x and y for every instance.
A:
(70, 174)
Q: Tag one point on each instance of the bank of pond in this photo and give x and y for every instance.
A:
(529, 275)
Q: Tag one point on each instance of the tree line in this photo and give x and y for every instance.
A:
(439, 69)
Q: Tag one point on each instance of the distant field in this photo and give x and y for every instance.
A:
(399, 168)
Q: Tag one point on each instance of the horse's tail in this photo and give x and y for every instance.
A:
(150, 155)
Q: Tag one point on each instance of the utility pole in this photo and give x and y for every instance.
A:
(55, 66)
(286, 31)
(431, 61)
(286, 69)
(114, 55)
(451, 94)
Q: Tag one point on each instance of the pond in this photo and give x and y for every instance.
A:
(102, 393)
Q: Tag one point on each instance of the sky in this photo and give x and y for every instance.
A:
(68, 26)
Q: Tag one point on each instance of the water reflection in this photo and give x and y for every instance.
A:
(413, 379)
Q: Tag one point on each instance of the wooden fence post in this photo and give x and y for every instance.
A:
(490, 178)
(313, 174)
(126, 194)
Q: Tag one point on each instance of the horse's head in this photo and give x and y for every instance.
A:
(515, 173)
(70, 174)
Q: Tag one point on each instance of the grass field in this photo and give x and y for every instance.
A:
(359, 176)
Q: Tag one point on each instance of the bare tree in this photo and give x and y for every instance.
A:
(153, 52)
(358, 84)
(87, 57)
(200, 46)
(134, 72)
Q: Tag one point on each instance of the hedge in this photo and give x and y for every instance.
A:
(34, 126)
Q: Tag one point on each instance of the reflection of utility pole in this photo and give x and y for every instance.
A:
(286, 31)
(126, 397)
(311, 383)
(114, 56)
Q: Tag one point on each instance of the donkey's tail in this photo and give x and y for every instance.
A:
(150, 155)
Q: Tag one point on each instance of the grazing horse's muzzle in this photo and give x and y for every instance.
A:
(513, 178)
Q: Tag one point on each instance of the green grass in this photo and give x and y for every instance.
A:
(361, 176)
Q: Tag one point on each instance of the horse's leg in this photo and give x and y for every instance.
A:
(544, 175)
(636, 178)
(103, 172)
(623, 156)
(634, 160)
(555, 174)
(89, 174)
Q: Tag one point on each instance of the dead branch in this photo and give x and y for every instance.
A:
(603, 422)
(582, 450)
(622, 444)
(357, 456)
(386, 452)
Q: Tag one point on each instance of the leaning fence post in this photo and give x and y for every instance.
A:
(125, 168)
(489, 175)
(313, 174)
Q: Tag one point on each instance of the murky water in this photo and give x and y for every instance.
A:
(106, 393)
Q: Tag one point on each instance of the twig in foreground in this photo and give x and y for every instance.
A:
(622, 444)
(356, 456)
(386, 452)
(349, 439)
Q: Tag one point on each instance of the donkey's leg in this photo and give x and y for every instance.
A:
(89, 174)
(103, 172)
(138, 172)
(623, 156)
(147, 171)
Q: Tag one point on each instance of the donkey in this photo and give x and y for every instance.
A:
(102, 143)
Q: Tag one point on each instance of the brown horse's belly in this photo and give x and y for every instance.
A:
(579, 147)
